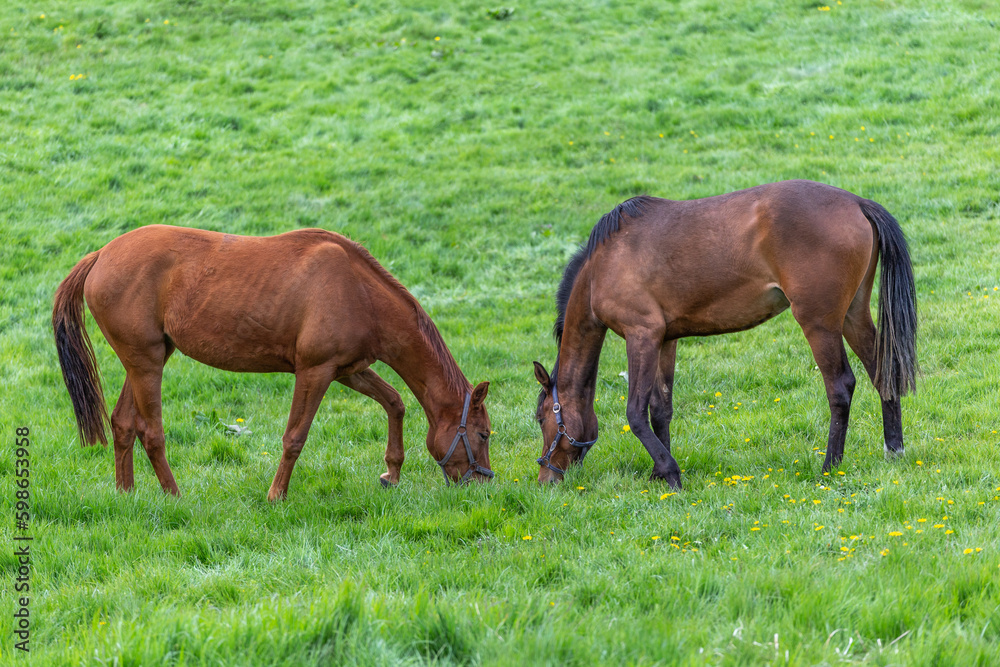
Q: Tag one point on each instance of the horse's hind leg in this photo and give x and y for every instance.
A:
(371, 385)
(828, 350)
(310, 386)
(643, 351)
(146, 378)
(123, 420)
(661, 404)
(859, 330)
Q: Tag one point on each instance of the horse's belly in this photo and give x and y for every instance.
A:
(238, 344)
(732, 312)
(226, 357)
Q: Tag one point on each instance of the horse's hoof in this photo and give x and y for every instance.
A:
(894, 454)
(385, 481)
(673, 479)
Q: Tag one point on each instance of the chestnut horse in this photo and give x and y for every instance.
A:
(309, 302)
(656, 270)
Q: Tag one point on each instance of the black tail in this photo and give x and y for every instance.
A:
(76, 354)
(895, 348)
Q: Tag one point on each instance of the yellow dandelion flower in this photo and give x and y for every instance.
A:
(656, 537)
(820, 527)
(626, 428)
(967, 551)
(895, 533)
(526, 538)
(239, 420)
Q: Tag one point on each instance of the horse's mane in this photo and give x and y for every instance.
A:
(606, 226)
(452, 373)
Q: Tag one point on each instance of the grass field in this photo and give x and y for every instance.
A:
(471, 149)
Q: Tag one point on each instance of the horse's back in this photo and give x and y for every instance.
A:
(234, 302)
(729, 262)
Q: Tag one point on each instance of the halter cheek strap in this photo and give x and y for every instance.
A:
(474, 467)
(546, 461)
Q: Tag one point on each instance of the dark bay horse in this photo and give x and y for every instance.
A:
(309, 302)
(656, 270)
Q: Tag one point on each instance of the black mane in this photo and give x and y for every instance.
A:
(606, 226)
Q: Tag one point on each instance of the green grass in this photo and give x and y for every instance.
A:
(472, 166)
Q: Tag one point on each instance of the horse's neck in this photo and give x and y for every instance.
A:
(428, 370)
(579, 355)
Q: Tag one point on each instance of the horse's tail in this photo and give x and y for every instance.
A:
(895, 349)
(76, 354)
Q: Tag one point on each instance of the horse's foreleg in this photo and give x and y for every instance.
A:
(123, 421)
(371, 385)
(859, 330)
(310, 386)
(661, 404)
(643, 353)
(831, 357)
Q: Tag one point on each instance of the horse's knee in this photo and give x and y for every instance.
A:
(637, 417)
(395, 408)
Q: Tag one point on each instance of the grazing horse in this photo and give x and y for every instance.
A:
(309, 302)
(656, 270)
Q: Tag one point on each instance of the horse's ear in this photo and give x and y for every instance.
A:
(542, 375)
(479, 393)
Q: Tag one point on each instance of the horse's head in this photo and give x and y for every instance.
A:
(559, 448)
(460, 441)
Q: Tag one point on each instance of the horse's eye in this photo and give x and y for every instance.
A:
(484, 436)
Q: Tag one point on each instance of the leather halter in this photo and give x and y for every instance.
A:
(546, 461)
(462, 435)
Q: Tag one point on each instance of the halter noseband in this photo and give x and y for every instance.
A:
(462, 435)
(546, 461)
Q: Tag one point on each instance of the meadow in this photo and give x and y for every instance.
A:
(471, 147)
